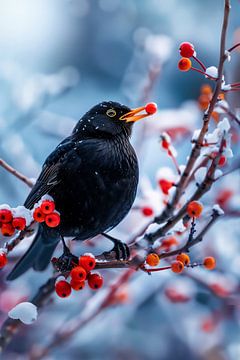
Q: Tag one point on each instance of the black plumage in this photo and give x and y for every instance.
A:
(92, 176)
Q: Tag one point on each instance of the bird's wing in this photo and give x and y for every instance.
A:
(49, 178)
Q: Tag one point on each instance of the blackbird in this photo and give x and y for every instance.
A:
(92, 176)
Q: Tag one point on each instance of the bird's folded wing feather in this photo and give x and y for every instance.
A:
(49, 175)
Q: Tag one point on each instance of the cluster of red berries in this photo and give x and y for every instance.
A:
(9, 223)
(3, 259)
(44, 211)
(79, 275)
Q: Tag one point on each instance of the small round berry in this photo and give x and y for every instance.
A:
(186, 49)
(95, 281)
(165, 144)
(3, 260)
(78, 273)
(63, 288)
(165, 185)
(88, 262)
(177, 267)
(7, 229)
(147, 211)
(184, 258)
(5, 216)
(53, 219)
(222, 160)
(184, 64)
(152, 259)
(151, 108)
(203, 101)
(38, 215)
(19, 223)
(77, 285)
(206, 89)
(194, 209)
(47, 206)
(209, 263)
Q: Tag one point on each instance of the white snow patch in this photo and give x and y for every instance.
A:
(26, 312)
(218, 209)
(212, 71)
(224, 125)
(200, 174)
(21, 211)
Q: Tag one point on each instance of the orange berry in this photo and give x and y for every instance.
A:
(47, 206)
(53, 219)
(38, 215)
(152, 259)
(203, 101)
(194, 209)
(206, 89)
(221, 96)
(78, 273)
(209, 263)
(7, 229)
(184, 64)
(88, 262)
(63, 288)
(215, 116)
(184, 258)
(95, 281)
(177, 266)
(77, 285)
(3, 260)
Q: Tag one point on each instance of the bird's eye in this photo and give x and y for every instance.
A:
(111, 112)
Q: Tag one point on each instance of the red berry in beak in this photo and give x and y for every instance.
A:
(7, 229)
(53, 219)
(5, 216)
(3, 260)
(19, 223)
(63, 288)
(78, 274)
(38, 215)
(88, 262)
(95, 281)
(151, 108)
(47, 206)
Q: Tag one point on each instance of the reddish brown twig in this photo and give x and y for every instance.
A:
(16, 173)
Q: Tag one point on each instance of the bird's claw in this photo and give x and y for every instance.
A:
(120, 249)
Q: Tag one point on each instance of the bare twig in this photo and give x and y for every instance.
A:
(16, 173)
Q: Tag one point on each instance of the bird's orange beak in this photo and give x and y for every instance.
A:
(133, 115)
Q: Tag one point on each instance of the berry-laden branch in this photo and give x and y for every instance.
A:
(170, 207)
(16, 173)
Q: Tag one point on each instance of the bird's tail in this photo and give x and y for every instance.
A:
(37, 256)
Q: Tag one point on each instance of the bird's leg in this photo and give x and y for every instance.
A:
(66, 261)
(121, 249)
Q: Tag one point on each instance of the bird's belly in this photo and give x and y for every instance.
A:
(94, 202)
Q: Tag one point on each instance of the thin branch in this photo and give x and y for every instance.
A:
(206, 119)
(16, 173)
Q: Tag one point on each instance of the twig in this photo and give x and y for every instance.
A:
(16, 173)
(168, 211)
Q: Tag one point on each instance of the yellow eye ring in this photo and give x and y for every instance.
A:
(111, 112)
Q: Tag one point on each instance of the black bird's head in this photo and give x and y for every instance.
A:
(108, 119)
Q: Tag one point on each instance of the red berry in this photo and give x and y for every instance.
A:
(63, 288)
(151, 108)
(88, 262)
(38, 215)
(165, 185)
(186, 49)
(194, 209)
(19, 223)
(7, 229)
(222, 160)
(95, 281)
(47, 206)
(177, 267)
(53, 219)
(147, 211)
(5, 216)
(3, 260)
(184, 64)
(165, 144)
(77, 285)
(78, 273)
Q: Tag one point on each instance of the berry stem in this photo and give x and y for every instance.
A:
(202, 72)
(233, 47)
(199, 62)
